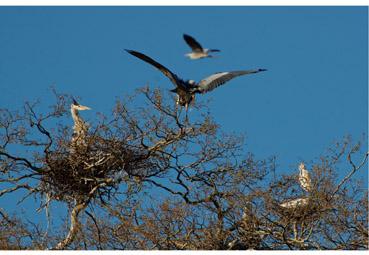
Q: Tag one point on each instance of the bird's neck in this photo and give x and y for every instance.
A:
(75, 114)
(76, 118)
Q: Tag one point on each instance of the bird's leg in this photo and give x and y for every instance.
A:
(177, 102)
(186, 107)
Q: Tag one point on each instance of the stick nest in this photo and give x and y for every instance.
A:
(74, 172)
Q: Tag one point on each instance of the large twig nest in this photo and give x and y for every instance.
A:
(73, 172)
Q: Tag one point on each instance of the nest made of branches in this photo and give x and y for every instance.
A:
(75, 171)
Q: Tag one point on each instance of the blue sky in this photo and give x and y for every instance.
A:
(314, 92)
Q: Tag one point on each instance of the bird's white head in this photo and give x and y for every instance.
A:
(192, 82)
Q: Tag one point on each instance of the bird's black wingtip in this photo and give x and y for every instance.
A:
(186, 36)
(133, 52)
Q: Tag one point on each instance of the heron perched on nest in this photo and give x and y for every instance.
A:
(80, 127)
(197, 50)
(186, 90)
(305, 183)
(304, 178)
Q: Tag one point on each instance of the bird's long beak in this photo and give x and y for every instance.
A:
(82, 108)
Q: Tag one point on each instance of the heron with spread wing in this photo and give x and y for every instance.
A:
(186, 90)
(197, 50)
(80, 127)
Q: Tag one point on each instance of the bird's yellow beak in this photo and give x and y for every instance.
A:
(82, 108)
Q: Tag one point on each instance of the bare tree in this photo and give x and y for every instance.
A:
(149, 177)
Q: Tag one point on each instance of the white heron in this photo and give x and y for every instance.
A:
(186, 90)
(197, 50)
(304, 178)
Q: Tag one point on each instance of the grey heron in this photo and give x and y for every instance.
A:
(197, 50)
(186, 90)
(80, 127)
(304, 178)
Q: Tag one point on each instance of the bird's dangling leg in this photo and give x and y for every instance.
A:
(177, 103)
(186, 107)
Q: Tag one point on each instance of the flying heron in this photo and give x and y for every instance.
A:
(197, 50)
(186, 90)
(304, 178)
(80, 127)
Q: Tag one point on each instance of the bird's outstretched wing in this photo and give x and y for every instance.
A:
(173, 78)
(195, 46)
(217, 79)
